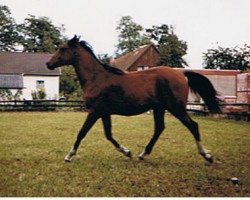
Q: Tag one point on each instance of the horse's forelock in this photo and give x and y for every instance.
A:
(74, 41)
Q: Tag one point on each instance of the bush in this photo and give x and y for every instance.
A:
(38, 94)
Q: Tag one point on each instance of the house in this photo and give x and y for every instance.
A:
(243, 88)
(28, 72)
(145, 57)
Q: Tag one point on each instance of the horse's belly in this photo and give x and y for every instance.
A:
(124, 107)
(121, 107)
(130, 110)
(115, 100)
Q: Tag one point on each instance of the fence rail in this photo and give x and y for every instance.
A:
(40, 105)
(232, 110)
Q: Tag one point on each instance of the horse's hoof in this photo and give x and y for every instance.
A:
(128, 154)
(67, 159)
(140, 158)
(125, 151)
(209, 158)
(142, 155)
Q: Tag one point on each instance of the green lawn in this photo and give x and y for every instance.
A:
(33, 146)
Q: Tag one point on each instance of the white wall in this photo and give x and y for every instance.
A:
(225, 85)
(51, 86)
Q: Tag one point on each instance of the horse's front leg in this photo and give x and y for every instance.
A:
(89, 122)
(108, 133)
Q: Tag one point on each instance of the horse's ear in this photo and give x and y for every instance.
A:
(74, 41)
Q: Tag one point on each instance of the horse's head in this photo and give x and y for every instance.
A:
(65, 55)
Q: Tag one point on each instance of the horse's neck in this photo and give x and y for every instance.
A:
(88, 69)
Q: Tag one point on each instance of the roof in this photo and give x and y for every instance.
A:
(126, 61)
(11, 81)
(26, 63)
(213, 71)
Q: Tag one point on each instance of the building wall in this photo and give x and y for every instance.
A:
(225, 85)
(51, 86)
(224, 81)
(149, 59)
(243, 88)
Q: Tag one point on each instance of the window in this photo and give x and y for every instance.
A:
(141, 68)
(39, 84)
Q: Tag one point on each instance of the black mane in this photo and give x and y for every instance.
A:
(107, 67)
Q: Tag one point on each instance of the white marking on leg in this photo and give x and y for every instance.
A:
(208, 156)
(124, 150)
(70, 155)
(201, 148)
(142, 155)
(205, 153)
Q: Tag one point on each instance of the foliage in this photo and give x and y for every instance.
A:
(40, 35)
(9, 32)
(104, 58)
(130, 35)
(38, 94)
(36, 34)
(33, 145)
(18, 94)
(227, 58)
(171, 48)
(7, 94)
(69, 84)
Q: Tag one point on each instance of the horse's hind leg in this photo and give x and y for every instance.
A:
(159, 127)
(194, 129)
(108, 133)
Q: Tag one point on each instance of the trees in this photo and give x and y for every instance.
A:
(40, 35)
(104, 58)
(171, 48)
(9, 35)
(132, 35)
(227, 58)
(36, 34)
(69, 84)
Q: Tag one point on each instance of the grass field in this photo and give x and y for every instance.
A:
(33, 145)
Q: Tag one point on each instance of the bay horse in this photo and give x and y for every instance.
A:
(109, 90)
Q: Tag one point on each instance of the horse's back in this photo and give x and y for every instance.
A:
(159, 77)
(160, 71)
(174, 78)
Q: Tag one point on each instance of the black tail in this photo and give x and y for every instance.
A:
(201, 85)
